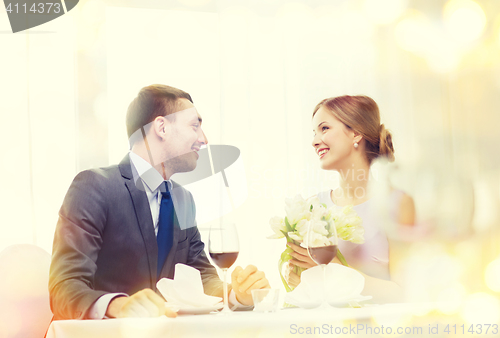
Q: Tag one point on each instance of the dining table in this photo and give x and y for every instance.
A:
(396, 320)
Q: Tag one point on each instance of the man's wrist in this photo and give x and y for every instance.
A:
(115, 306)
(233, 299)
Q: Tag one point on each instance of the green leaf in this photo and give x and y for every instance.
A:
(288, 226)
(285, 256)
(298, 270)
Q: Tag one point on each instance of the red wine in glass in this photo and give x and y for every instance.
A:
(223, 247)
(323, 254)
(224, 260)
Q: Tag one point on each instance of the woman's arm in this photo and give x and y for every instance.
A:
(406, 210)
(382, 291)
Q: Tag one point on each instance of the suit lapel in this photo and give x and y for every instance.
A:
(143, 214)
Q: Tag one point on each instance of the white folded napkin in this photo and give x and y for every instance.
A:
(186, 289)
(343, 285)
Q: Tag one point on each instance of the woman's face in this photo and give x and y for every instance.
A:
(333, 141)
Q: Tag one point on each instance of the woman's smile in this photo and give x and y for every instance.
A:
(322, 152)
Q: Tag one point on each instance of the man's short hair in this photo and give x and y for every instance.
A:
(151, 102)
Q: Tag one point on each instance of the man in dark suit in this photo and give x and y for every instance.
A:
(105, 259)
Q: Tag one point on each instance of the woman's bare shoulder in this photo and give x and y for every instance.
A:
(406, 210)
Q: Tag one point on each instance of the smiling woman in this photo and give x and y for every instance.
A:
(348, 137)
(357, 117)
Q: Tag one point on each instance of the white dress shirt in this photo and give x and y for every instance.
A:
(152, 181)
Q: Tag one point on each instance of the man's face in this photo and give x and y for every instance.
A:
(184, 137)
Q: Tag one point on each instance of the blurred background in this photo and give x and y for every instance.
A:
(255, 70)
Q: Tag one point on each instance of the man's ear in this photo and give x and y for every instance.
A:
(160, 126)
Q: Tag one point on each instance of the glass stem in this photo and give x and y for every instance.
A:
(325, 294)
(226, 296)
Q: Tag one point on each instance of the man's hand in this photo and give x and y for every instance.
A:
(145, 303)
(244, 281)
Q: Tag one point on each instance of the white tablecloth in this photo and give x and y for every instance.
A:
(284, 323)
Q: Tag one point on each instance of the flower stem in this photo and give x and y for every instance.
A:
(341, 258)
(285, 284)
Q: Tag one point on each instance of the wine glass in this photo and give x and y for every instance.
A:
(223, 247)
(322, 245)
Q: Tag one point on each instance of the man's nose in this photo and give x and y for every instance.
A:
(202, 137)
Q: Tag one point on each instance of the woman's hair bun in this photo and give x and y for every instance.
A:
(386, 149)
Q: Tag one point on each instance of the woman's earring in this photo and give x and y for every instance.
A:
(355, 144)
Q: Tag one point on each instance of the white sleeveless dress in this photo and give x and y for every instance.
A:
(371, 257)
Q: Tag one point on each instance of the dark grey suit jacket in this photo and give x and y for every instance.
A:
(105, 242)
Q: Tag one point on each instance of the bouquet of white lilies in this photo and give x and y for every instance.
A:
(302, 214)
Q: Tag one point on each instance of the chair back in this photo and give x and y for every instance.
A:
(24, 296)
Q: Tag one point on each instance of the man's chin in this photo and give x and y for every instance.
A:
(183, 163)
(186, 167)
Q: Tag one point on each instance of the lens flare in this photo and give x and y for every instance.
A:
(413, 32)
(383, 12)
(481, 308)
(464, 19)
(492, 275)
(450, 299)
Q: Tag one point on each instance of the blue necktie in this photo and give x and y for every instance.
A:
(165, 226)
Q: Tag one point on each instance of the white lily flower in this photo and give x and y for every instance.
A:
(348, 225)
(302, 215)
(319, 211)
(314, 201)
(316, 239)
(319, 227)
(278, 226)
(296, 209)
(295, 236)
(301, 227)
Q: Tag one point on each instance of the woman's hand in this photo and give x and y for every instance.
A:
(302, 259)
(292, 279)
